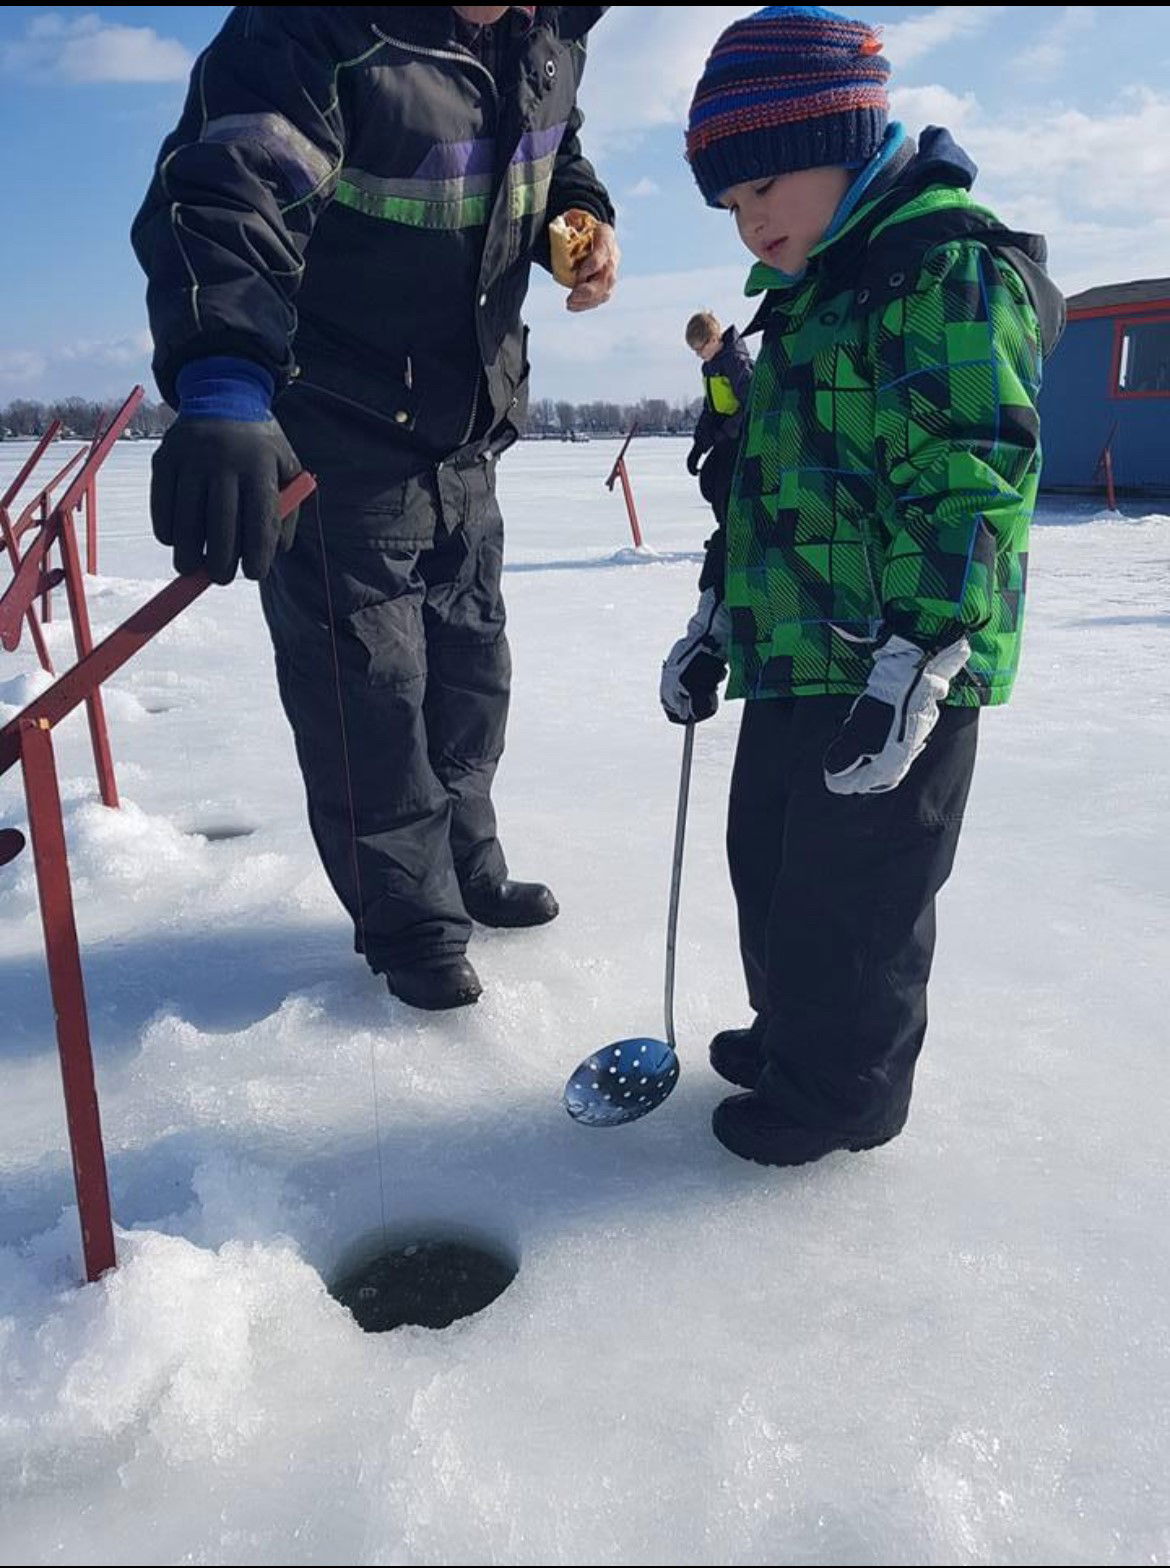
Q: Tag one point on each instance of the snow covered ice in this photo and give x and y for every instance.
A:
(953, 1350)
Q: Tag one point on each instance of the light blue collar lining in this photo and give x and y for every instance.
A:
(892, 141)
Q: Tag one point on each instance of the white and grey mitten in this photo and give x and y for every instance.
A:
(891, 721)
(697, 663)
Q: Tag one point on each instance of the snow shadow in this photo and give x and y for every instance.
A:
(627, 557)
(218, 981)
(1120, 620)
(517, 1174)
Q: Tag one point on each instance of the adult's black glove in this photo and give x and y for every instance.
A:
(214, 495)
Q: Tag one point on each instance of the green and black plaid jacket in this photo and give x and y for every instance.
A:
(890, 459)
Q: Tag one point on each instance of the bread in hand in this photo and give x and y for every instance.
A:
(571, 239)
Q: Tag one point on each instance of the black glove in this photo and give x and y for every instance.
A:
(214, 495)
(695, 666)
(714, 569)
(695, 457)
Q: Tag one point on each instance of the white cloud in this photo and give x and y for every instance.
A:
(645, 187)
(1050, 54)
(633, 346)
(1097, 186)
(1103, 177)
(644, 61)
(905, 42)
(95, 367)
(20, 368)
(89, 49)
(934, 105)
(108, 351)
(1118, 162)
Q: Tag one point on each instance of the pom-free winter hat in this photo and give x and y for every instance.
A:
(789, 87)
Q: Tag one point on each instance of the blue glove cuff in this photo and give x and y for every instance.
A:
(224, 388)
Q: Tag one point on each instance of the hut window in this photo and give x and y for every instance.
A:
(1143, 358)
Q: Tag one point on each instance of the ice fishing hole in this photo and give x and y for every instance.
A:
(430, 1279)
(220, 833)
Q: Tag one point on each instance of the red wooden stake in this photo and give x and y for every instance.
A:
(618, 471)
(91, 529)
(47, 594)
(27, 739)
(8, 539)
(635, 528)
(99, 734)
(47, 831)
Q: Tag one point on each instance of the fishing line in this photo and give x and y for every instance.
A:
(314, 501)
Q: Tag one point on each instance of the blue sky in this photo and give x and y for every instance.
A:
(1065, 108)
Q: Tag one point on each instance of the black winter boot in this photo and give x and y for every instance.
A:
(737, 1054)
(749, 1126)
(442, 983)
(510, 903)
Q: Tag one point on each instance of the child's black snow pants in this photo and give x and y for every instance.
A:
(835, 897)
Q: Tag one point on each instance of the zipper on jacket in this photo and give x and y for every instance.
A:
(460, 56)
(474, 409)
(863, 530)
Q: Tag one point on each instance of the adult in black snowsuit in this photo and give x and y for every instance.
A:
(337, 240)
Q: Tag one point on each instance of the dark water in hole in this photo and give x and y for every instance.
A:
(431, 1283)
(219, 835)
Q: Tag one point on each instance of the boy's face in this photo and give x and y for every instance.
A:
(709, 349)
(782, 218)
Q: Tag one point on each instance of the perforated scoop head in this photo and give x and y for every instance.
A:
(621, 1082)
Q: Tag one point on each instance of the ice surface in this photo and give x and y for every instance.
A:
(952, 1350)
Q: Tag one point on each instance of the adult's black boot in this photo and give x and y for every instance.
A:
(439, 984)
(510, 903)
(737, 1054)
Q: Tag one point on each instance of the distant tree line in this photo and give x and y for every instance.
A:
(654, 416)
(81, 417)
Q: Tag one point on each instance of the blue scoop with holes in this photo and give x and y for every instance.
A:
(621, 1082)
(630, 1078)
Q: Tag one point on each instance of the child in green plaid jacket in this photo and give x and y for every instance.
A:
(876, 559)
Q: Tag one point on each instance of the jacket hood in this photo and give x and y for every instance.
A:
(893, 223)
(941, 161)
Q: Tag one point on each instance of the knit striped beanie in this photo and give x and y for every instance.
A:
(789, 87)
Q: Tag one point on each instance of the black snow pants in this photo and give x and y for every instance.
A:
(715, 477)
(394, 671)
(835, 898)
